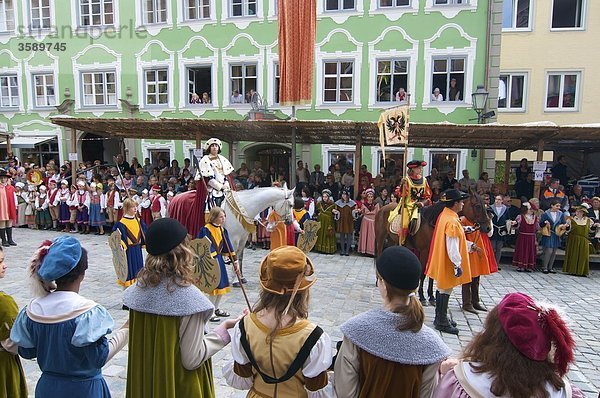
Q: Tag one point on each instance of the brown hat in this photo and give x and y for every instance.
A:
(285, 270)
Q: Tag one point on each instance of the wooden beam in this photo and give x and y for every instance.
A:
(357, 162)
(540, 156)
(507, 170)
(198, 141)
(8, 144)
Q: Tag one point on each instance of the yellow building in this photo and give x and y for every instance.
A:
(549, 64)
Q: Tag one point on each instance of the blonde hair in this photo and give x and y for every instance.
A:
(214, 213)
(129, 204)
(413, 312)
(176, 265)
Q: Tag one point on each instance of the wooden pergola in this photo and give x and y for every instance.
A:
(536, 136)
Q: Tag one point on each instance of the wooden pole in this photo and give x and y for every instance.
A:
(293, 159)
(198, 141)
(8, 145)
(357, 162)
(230, 152)
(507, 170)
(405, 156)
(539, 156)
(73, 150)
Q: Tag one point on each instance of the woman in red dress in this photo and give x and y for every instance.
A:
(525, 254)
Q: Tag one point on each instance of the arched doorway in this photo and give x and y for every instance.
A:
(267, 155)
(95, 147)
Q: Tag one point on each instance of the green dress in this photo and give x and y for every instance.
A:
(326, 236)
(12, 378)
(154, 342)
(577, 255)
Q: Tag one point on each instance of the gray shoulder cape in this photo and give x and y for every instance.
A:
(375, 332)
(176, 301)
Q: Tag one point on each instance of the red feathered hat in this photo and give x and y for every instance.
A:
(533, 330)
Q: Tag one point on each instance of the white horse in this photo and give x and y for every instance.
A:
(253, 202)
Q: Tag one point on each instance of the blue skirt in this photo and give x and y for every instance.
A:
(69, 386)
(135, 261)
(64, 214)
(97, 217)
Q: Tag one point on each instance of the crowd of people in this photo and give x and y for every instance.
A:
(525, 348)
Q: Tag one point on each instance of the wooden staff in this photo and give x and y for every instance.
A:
(235, 269)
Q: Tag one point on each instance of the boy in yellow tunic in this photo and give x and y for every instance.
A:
(448, 262)
(133, 232)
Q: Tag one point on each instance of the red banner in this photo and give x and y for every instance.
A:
(297, 28)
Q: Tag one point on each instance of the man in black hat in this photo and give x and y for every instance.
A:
(448, 262)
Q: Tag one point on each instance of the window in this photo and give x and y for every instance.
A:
(243, 83)
(342, 158)
(197, 9)
(448, 2)
(40, 14)
(338, 5)
(9, 91)
(449, 78)
(392, 80)
(243, 8)
(155, 11)
(44, 90)
(561, 91)
(157, 87)
(567, 14)
(276, 84)
(200, 85)
(96, 12)
(444, 162)
(99, 88)
(394, 3)
(515, 14)
(7, 16)
(338, 81)
(157, 154)
(511, 91)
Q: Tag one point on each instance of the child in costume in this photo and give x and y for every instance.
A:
(29, 197)
(52, 203)
(133, 238)
(97, 207)
(277, 341)
(73, 203)
(62, 201)
(220, 246)
(63, 330)
(169, 314)
(326, 235)
(262, 235)
(552, 218)
(344, 214)
(170, 196)
(113, 200)
(144, 208)
(83, 208)
(366, 237)
(8, 209)
(12, 378)
(21, 204)
(301, 215)
(159, 204)
(43, 219)
(525, 255)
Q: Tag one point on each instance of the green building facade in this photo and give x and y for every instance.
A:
(156, 53)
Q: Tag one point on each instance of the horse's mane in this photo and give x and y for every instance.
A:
(431, 213)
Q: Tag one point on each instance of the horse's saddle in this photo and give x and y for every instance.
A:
(413, 225)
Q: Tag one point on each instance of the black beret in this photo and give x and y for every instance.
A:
(399, 267)
(164, 235)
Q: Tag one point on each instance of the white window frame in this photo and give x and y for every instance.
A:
(510, 76)
(513, 27)
(227, 60)
(243, 64)
(451, 3)
(583, 18)
(461, 159)
(276, 75)
(44, 75)
(199, 6)
(339, 76)
(376, 154)
(394, 5)
(4, 14)
(156, 83)
(340, 7)
(102, 14)
(326, 149)
(11, 97)
(448, 74)
(104, 88)
(340, 16)
(142, 66)
(185, 63)
(450, 10)
(245, 7)
(155, 12)
(163, 146)
(30, 19)
(578, 87)
(408, 87)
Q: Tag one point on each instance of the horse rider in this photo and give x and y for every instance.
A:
(413, 193)
(216, 171)
(448, 262)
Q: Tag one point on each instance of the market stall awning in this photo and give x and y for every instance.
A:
(28, 142)
(423, 135)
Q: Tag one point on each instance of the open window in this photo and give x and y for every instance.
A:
(199, 85)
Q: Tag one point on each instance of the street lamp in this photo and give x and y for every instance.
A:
(480, 98)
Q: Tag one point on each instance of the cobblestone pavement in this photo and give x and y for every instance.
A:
(345, 287)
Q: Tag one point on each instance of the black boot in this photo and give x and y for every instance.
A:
(9, 237)
(475, 295)
(467, 299)
(3, 236)
(441, 322)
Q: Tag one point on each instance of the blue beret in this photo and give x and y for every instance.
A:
(62, 257)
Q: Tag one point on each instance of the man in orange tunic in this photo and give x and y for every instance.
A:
(479, 265)
(448, 262)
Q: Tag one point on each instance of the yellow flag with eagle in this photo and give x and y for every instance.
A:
(393, 127)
